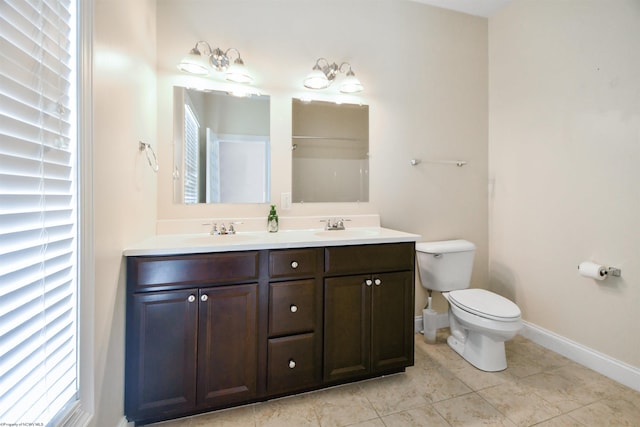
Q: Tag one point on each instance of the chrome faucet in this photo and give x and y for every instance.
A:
(215, 231)
(214, 228)
(337, 224)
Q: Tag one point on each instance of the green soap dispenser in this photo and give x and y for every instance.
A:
(272, 221)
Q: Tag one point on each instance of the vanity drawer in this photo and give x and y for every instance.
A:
(292, 363)
(150, 273)
(292, 307)
(369, 258)
(292, 262)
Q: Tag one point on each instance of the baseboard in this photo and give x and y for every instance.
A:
(124, 423)
(599, 362)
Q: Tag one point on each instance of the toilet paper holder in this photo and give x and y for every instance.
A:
(597, 271)
(613, 271)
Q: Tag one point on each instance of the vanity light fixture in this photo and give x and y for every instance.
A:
(202, 57)
(324, 73)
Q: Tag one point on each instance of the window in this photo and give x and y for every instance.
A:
(191, 155)
(38, 211)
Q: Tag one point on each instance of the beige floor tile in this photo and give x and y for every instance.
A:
(423, 416)
(621, 392)
(592, 385)
(445, 358)
(240, 416)
(561, 421)
(180, 422)
(377, 422)
(471, 410)
(608, 413)
(565, 393)
(476, 379)
(435, 385)
(519, 404)
(545, 358)
(342, 406)
(520, 365)
(393, 393)
(287, 412)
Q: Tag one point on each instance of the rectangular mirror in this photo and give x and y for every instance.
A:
(330, 146)
(221, 147)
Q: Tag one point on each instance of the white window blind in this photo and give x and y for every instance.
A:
(191, 155)
(38, 215)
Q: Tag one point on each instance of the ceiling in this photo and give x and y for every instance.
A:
(484, 8)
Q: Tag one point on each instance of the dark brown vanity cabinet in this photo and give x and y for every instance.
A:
(194, 348)
(295, 320)
(368, 317)
(213, 330)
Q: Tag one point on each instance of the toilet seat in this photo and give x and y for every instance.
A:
(485, 304)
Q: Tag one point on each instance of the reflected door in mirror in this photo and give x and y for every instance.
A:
(221, 147)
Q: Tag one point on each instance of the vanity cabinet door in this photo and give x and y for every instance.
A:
(161, 354)
(347, 325)
(392, 321)
(368, 324)
(227, 344)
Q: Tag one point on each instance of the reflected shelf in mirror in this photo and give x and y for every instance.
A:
(330, 152)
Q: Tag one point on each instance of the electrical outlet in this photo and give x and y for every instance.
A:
(285, 201)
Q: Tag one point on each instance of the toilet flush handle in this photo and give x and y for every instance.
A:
(437, 255)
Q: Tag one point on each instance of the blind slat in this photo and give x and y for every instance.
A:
(38, 214)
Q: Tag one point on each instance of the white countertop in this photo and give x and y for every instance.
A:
(180, 244)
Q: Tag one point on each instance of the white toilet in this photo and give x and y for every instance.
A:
(480, 321)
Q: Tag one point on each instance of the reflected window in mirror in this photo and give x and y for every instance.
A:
(330, 152)
(221, 147)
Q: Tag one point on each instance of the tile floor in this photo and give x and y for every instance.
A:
(538, 388)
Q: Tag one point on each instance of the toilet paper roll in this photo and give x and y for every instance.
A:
(592, 270)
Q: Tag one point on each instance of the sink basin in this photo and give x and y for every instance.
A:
(220, 239)
(346, 234)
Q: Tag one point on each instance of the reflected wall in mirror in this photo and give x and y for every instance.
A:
(221, 147)
(330, 146)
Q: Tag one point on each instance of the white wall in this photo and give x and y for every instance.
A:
(424, 71)
(125, 193)
(564, 163)
(425, 76)
(564, 133)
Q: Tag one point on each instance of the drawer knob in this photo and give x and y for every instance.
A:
(368, 282)
(294, 264)
(292, 364)
(293, 308)
(191, 298)
(378, 282)
(204, 298)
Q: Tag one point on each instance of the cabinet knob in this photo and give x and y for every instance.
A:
(368, 282)
(294, 264)
(292, 364)
(293, 308)
(204, 298)
(378, 282)
(191, 298)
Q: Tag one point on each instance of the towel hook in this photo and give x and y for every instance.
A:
(151, 158)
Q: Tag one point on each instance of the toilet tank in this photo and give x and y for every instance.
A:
(445, 265)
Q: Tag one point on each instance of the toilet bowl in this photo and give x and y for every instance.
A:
(480, 321)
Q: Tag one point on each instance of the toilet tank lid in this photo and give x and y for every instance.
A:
(445, 246)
